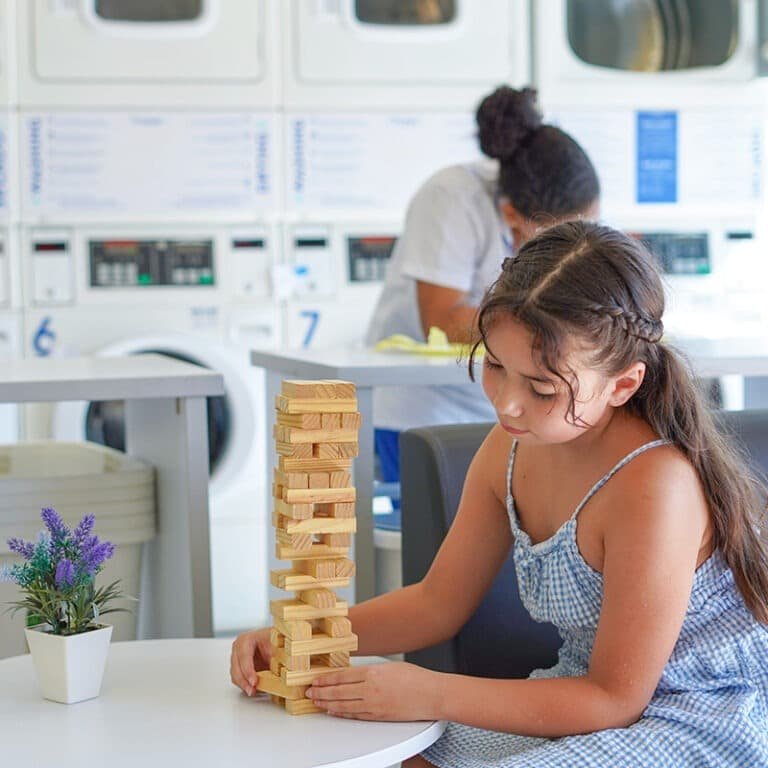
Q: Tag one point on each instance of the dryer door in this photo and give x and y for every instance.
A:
(403, 41)
(124, 41)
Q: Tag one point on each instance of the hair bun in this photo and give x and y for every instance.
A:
(505, 118)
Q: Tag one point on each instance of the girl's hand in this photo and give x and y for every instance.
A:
(392, 691)
(251, 653)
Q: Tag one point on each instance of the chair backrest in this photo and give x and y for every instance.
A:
(500, 640)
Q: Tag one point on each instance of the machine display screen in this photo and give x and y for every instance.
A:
(133, 263)
(679, 253)
(368, 258)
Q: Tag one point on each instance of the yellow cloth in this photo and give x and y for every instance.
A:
(437, 345)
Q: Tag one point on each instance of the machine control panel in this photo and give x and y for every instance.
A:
(368, 258)
(136, 263)
(679, 253)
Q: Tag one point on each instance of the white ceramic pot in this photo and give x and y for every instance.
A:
(69, 668)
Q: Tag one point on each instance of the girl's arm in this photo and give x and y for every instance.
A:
(651, 545)
(478, 542)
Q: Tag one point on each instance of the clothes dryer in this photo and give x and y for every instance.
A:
(196, 295)
(421, 54)
(161, 53)
(647, 52)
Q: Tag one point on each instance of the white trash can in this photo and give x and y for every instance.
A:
(387, 541)
(76, 479)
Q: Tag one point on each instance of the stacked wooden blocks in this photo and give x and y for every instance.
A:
(314, 517)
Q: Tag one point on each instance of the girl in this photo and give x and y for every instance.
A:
(460, 225)
(635, 528)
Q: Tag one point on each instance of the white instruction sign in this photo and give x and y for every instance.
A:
(370, 162)
(152, 166)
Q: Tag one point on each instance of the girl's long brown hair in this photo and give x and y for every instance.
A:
(590, 282)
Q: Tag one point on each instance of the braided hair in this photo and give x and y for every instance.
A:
(590, 282)
(542, 170)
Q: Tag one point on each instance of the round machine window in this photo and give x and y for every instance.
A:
(105, 419)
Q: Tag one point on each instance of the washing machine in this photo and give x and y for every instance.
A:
(383, 54)
(648, 52)
(198, 294)
(147, 53)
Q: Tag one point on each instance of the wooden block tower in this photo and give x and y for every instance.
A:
(314, 517)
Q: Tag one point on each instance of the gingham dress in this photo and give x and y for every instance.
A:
(710, 707)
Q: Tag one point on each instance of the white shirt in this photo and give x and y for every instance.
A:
(454, 236)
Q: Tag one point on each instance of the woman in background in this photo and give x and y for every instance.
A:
(459, 227)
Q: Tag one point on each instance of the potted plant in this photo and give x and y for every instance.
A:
(66, 637)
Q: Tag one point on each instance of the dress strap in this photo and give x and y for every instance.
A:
(510, 466)
(605, 478)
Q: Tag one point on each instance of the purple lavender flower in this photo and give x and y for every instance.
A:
(54, 524)
(65, 574)
(83, 531)
(21, 547)
(95, 553)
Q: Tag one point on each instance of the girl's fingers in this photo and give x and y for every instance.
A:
(323, 694)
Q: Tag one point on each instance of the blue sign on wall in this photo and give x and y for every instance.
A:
(657, 157)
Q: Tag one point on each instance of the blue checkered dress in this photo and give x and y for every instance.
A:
(710, 707)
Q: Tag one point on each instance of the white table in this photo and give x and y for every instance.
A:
(170, 703)
(369, 369)
(166, 426)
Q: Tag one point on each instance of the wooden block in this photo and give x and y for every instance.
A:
(300, 629)
(320, 480)
(289, 464)
(291, 479)
(305, 677)
(274, 666)
(315, 524)
(277, 491)
(336, 540)
(293, 405)
(336, 626)
(301, 707)
(317, 568)
(322, 495)
(271, 683)
(276, 700)
(320, 643)
(301, 420)
(296, 436)
(344, 566)
(319, 598)
(335, 509)
(294, 542)
(284, 551)
(334, 659)
(330, 421)
(351, 421)
(291, 610)
(296, 450)
(318, 389)
(292, 663)
(339, 479)
(291, 580)
(276, 640)
(334, 450)
(294, 511)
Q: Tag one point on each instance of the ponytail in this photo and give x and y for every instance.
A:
(670, 402)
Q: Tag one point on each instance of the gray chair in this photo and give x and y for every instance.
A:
(501, 639)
